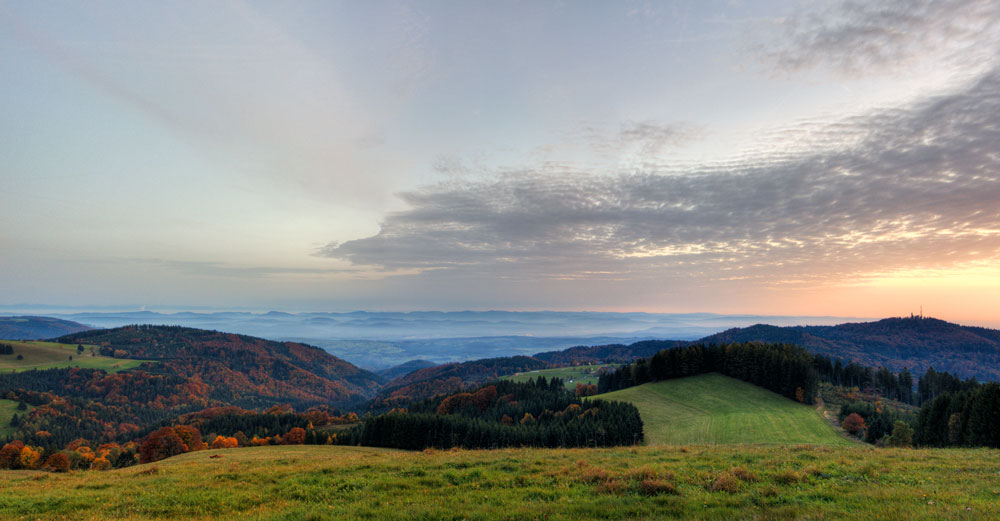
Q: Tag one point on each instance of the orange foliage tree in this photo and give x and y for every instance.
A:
(223, 442)
(10, 455)
(57, 462)
(190, 436)
(100, 464)
(854, 423)
(30, 458)
(481, 400)
(296, 436)
(161, 444)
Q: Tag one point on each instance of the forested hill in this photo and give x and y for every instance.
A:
(611, 353)
(238, 365)
(451, 378)
(32, 328)
(915, 343)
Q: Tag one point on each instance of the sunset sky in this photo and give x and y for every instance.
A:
(804, 158)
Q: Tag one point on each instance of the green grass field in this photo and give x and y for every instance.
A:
(696, 482)
(586, 374)
(51, 355)
(7, 410)
(713, 408)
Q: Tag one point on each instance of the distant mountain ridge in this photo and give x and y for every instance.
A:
(404, 369)
(35, 327)
(915, 343)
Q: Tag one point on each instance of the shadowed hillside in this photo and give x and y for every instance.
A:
(32, 328)
(915, 343)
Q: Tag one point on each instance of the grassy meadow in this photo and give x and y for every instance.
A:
(585, 374)
(713, 408)
(52, 355)
(689, 482)
(7, 410)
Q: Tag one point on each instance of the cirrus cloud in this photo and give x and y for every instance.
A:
(914, 187)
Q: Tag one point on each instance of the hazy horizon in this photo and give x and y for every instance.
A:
(770, 158)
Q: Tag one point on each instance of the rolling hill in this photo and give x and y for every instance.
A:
(572, 375)
(181, 370)
(450, 378)
(238, 365)
(53, 355)
(915, 343)
(404, 369)
(610, 353)
(32, 327)
(713, 408)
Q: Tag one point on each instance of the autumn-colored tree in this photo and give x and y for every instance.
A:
(507, 420)
(100, 464)
(481, 400)
(571, 409)
(854, 423)
(161, 444)
(296, 436)
(258, 442)
(77, 443)
(280, 409)
(81, 457)
(223, 442)
(57, 462)
(800, 395)
(190, 436)
(10, 455)
(30, 458)
(527, 418)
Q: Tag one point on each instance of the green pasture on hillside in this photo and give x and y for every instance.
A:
(7, 410)
(52, 355)
(585, 374)
(713, 408)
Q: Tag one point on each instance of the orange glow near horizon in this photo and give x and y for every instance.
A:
(967, 296)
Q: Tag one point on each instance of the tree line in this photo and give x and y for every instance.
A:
(537, 413)
(785, 369)
(969, 416)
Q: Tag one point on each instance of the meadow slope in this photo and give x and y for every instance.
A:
(572, 375)
(694, 482)
(52, 355)
(713, 408)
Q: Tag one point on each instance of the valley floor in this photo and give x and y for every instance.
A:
(691, 482)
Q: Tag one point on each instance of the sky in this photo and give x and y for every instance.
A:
(765, 157)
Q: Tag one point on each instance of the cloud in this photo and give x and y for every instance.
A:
(647, 138)
(898, 189)
(856, 37)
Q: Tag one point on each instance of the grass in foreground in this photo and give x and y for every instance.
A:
(713, 408)
(585, 374)
(698, 482)
(52, 355)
